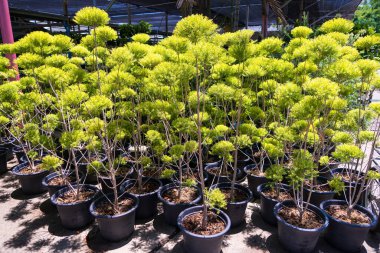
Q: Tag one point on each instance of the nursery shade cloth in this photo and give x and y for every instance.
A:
(154, 11)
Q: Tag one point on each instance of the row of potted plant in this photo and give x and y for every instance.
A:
(186, 121)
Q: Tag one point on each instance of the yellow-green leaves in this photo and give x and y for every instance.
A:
(141, 37)
(196, 28)
(96, 104)
(337, 25)
(367, 42)
(91, 16)
(301, 32)
(347, 152)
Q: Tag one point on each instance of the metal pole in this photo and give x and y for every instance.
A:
(129, 14)
(247, 18)
(166, 23)
(7, 33)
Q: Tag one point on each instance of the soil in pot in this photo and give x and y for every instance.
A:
(339, 212)
(60, 181)
(71, 196)
(280, 197)
(256, 172)
(31, 170)
(216, 171)
(188, 194)
(310, 220)
(193, 223)
(147, 187)
(106, 208)
(238, 195)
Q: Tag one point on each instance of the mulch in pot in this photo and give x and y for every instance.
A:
(30, 170)
(188, 195)
(193, 223)
(319, 186)
(217, 171)
(70, 197)
(256, 172)
(339, 212)
(238, 195)
(147, 187)
(60, 181)
(310, 220)
(282, 195)
(107, 208)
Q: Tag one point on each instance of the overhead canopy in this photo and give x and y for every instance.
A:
(163, 14)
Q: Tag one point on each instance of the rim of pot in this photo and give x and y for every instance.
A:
(251, 167)
(360, 208)
(92, 207)
(58, 193)
(196, 209)
(17, 168)
(280, 205)
(174, 185)
(261, 187)
(125, 185)
(237, 186)
(337, 170)
(3, 150)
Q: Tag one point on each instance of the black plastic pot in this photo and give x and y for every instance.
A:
(19, 152)
(236, 210)
(148, 201)
(351, 185)
(215, 179)
(345, 236)
(115, 227)
(30, 183)
(194, 243)
(106, 181)
(267, 204)
(254, 181)
(325, 171)
(8, 143)
(54, 188)
(317, 197)
(295, 239)
(75, 215)
(172, 210)
(3, 160)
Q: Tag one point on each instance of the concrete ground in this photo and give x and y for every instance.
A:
(32, 224)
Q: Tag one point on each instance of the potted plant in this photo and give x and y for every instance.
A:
(300, 224)
(195, 222)
(182, 194)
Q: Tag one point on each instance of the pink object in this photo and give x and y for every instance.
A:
(6, 32)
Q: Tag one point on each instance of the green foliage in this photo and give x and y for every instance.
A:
(50, 162)
(215, 199)
(223, 150)
(347, 152)
(91, 16)
(336, 184)
(195, 28)
(167, 173)
(337, 25)
(275, 173)
(301, 32)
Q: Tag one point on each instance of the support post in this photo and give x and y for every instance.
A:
(7, 33)
(264, 18)
(247, 18)
(166, 24)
